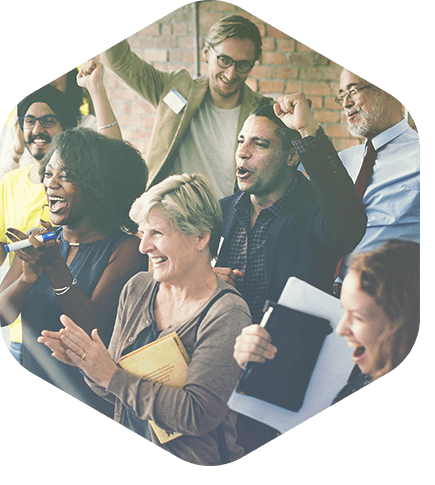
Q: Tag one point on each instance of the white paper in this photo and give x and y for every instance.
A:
(301, 296)
(330, 373)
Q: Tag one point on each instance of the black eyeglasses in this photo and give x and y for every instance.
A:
(225, 62)
(351, 94)
(46, 121)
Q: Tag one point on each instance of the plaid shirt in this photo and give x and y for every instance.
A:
(247, 251)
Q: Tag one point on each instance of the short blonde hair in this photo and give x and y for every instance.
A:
(189, 203)
(234, 26)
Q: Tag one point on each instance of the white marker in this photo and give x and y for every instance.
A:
(26, 243)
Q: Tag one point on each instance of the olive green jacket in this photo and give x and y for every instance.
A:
(153, 86)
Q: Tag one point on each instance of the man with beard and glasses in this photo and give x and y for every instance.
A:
(197, 120)
(392, 197)
(13, 153)
(42, 115)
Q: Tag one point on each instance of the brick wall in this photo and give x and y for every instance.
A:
(285, 66)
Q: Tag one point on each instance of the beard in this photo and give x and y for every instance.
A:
(367, 119)
(40, 153)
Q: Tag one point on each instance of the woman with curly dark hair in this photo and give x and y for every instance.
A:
(109, 172)
(91, 182)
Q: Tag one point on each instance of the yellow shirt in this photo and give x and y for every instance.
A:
(21, 207)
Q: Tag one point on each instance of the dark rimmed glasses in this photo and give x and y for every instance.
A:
(225, 62)
(351, 94)
(46, 121)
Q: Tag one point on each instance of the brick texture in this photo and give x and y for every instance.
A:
(286, 66)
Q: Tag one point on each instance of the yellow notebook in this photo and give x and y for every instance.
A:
(164, 361)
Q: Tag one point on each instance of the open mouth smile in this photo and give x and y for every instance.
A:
(227, 82)
(158, 260)
(359, 351)
(56, 204)
(40, 140)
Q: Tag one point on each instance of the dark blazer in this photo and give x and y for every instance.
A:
(323, 220)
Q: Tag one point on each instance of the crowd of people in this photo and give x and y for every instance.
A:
(236, 194)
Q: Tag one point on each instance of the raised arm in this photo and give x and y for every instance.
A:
(91, 77)
(294, 110)
(341, 220)
(140, 76)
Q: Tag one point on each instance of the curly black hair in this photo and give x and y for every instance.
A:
(111, 174)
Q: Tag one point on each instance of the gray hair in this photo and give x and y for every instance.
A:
(189, 203)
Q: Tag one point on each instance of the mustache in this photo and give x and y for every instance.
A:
(41, 136)
(352, 111)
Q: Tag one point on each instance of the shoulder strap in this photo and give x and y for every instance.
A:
(210, 304)
(222, 444)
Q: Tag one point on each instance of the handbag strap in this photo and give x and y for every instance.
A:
(210, 304)
(222, 444)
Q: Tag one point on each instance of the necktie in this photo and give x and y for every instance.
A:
(362, 180)
(366, 169)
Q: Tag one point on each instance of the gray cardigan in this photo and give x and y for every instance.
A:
(200, 406)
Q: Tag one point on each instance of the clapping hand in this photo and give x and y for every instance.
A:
(73, 346)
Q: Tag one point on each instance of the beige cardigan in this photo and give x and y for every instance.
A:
(200, 406)
(153, 85)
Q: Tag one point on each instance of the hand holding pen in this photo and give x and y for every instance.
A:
(25, 243)
(254, 343)
(37, 255)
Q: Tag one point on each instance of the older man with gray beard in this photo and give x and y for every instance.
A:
(391, 192)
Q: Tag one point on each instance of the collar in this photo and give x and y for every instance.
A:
(386, 136)
(243, 203)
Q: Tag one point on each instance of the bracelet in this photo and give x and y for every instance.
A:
(107, 126)
(18, 153)
(62, 291)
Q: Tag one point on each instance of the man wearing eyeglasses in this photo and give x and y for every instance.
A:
(41, 116)
(391, 196)
(197, 120)
(39, 126)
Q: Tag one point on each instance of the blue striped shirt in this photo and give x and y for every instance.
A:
(392, 198)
